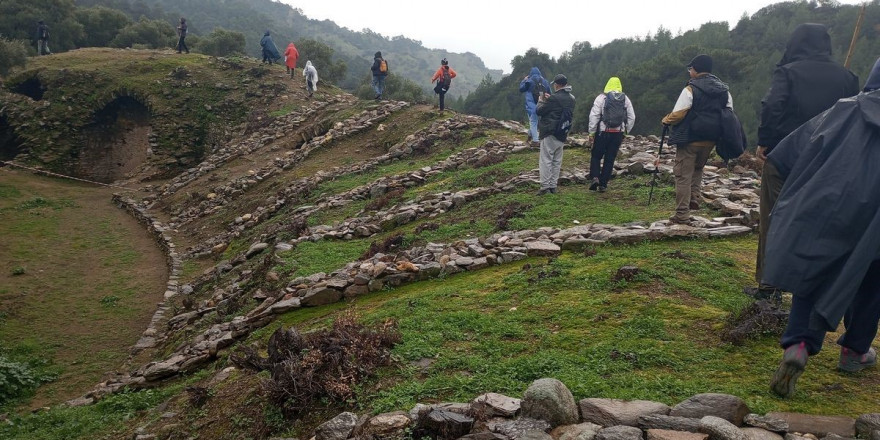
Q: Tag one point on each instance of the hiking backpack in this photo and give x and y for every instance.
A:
(563, 124)
(614, 113)
(383, 66)
(445, 80)
(537, 89)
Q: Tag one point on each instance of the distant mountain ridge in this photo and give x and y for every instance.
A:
(407, 57)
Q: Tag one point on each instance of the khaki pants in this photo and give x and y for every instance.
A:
(771, 185)
(688, 171)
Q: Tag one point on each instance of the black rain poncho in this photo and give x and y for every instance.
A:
(825, 228)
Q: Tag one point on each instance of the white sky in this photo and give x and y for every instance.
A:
(498, 30)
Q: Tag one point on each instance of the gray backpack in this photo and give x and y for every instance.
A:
(614, 113)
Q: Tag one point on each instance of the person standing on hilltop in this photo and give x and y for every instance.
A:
(611, 117)
(290, 57)
(380, 71)
(696, 126)
(806, 82)
(823, 244)
(43, 39)
(533, 86)
(311, 75)
(555, 112)
(270, 51)
(181, 36)
(443, 77)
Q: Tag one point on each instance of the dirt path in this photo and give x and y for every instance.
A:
(91, 279)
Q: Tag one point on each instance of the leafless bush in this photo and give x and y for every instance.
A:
(384, 200)
(510, 211)
(390, 244)
(758, 319)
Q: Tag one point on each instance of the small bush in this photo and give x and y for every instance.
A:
(16, 380)
(220, 43)
(384, 200)
(509, 212)
(18, 271)
(761, 318)
(13, 53)
(389, 244)
(326, 365)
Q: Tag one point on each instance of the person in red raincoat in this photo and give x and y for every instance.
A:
(290, 56)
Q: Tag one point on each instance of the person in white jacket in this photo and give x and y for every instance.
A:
(611, 117)
(311, 75)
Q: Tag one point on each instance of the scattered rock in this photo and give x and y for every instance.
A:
(549, 399)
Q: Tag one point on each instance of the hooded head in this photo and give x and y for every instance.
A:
(266, 34)
(808, 41)
(873, 82)
(613, 85)
(182, 20)
(701, 63)
(308, 64)
(535, 72)
(444, 62)
(40, 22)
(291, 44)
(378, 55)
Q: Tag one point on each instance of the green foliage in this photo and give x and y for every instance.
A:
(396, 88)
(321, 56)
(152, 34)
(18, 20)
(100, 25)
(220, 43)
(13, 53)
(16, 379)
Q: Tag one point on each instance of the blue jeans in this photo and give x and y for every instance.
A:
(860, 319)
(378, 84)
(533, 126)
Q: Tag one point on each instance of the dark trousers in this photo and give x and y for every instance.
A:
(771, 185)
(860, 320)
(603, 154)
(181, 44)
(442, 100)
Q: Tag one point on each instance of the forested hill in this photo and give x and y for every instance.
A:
(652, 69)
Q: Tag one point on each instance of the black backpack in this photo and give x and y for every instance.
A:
(445, 80)
(537, 89)
(614, 113)
(563, 124)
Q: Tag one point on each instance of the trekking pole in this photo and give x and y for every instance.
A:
(657, 168)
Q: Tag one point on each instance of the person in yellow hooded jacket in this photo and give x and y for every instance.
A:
(611, 117)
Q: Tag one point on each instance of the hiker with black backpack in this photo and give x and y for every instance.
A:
(555, 112)
(443, 77)
(611, 117)
(533, 86)
(380, 71)
(43, 39)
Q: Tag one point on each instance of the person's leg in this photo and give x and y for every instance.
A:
(557, 161)
(612, 146)
(683, 170)
(861, 320)
(702, 156)
(442, 95)
(381, 85)
(799, 342)
(179, 44)
(771, 185)
(185, 48)
(533, 126)
(596, 155)
(376, 85)
(545, 158)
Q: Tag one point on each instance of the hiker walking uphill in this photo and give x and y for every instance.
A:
(823, 245)
(380, 71)
(290, 57)
(311, 75)
(43, 39)
(555, 112)
(270, 51)
(611, 117)
(533, 86)
(181, 36)
(443, 77)
(805, 83)
(696, 126)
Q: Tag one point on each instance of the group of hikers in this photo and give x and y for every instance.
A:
(291, 55)
(819, 233)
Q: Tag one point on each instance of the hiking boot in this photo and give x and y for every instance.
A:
(602, 188)
(553, 190)
(852, 362)
(544, 191)
(679, 220)
(794, 360)
(763, 292)
(595, 184)
(694, 205)
(535, 144)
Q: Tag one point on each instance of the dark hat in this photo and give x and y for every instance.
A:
(701, 63)
(40, 22)
(560, 79)
(444, 62)
(377, 55)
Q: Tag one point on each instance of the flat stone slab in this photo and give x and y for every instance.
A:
(498, 404)
(817, 425)
(730, 408)
(540, 248)
(761, 434)
(665, 434)
(611, 412)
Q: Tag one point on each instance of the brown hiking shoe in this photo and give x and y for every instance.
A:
(794, 360)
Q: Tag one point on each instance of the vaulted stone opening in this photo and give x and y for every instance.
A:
(117, 142)
(32, 88)
(10, 144)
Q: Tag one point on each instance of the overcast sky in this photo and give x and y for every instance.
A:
(498, 30)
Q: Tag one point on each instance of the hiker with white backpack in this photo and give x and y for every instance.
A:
(611, 117)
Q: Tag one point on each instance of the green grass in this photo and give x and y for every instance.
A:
(654, 338)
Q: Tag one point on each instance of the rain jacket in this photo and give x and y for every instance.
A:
(805, 83)
(290, 56)
(310, 70)
(613, 86)
(439, 73)
(825, 228)
(551, 110)
(377, 60)
(269, 46)
(525, 86)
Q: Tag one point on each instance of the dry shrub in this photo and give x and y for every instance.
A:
(388, 245)
(198, 396)
(384, 200)
(323, 365)
(512, 210)
(430, 226)
(489, 159)
(257, 120)
(758, 319)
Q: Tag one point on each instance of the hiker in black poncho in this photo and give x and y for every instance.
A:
(824, 239)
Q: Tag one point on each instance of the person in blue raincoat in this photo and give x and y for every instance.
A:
(270, 51)
(823, 245)
(533, 86)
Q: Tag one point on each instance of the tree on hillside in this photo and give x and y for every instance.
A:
(221, 42)
(321, 56)
(18, 21)
(13, 53)
(100, 25)
(152, 34)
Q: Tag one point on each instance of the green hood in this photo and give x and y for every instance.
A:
(613, 85)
